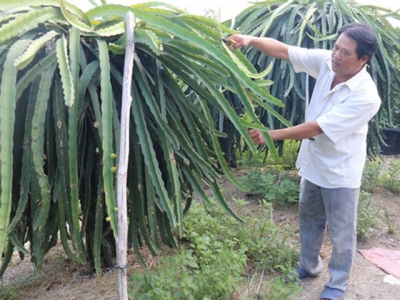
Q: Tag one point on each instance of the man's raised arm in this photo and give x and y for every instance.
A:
(268, 46)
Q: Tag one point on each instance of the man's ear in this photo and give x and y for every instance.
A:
(364, 59)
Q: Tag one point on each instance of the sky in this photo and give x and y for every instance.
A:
(227, 9)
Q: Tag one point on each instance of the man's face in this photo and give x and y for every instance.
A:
(345, 62)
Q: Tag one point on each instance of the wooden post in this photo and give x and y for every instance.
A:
(122, 239)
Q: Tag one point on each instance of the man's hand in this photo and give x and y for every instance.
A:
(268, 46)
(256, 136)
(299, 132)
(239, 41)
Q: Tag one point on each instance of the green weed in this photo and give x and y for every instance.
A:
(390, 222)
(371, 176)
(213, 254)
(9, 293)
(266, 243)
(368, 215)
(276, 187)
(211, 273)
(391, 178)
(278, 289)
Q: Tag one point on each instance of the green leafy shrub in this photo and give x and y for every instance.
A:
(9, 293)
(274, 186)
(209, 268)
(266, 243)
(208, 273)
(288, 155)
(391, 178)
(371, 176)
(210, 262)
(368, 215)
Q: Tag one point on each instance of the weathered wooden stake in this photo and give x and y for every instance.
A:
(122, 239)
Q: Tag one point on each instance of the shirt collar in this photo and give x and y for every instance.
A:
(353, 82)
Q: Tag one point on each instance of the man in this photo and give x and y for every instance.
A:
(333, 151)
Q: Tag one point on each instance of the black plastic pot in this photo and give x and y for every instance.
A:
(392, 140)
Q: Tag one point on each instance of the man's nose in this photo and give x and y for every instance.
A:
(337, 54)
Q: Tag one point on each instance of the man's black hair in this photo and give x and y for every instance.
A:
(365, 37)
